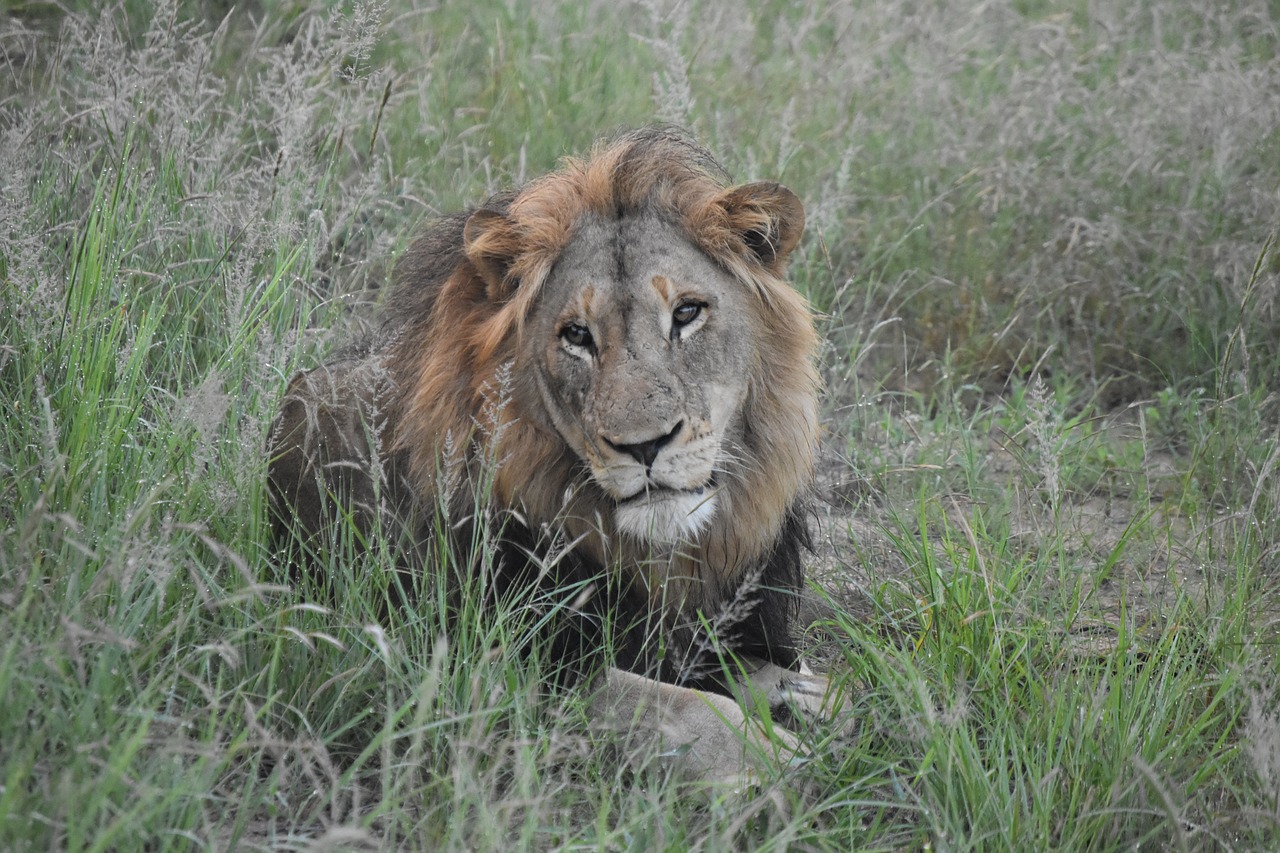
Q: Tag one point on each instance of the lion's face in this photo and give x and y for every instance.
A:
(642, 350)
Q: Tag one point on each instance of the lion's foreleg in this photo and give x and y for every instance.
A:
(705, 735)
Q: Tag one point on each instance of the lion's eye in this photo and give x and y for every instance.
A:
(577, 335)
(686, 313)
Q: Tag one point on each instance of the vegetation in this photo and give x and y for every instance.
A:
(1044, 239)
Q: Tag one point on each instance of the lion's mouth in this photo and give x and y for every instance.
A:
(649, 494)
(665, 516)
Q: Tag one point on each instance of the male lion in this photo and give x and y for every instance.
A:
(612, 358)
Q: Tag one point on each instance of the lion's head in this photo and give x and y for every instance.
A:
(654, 367)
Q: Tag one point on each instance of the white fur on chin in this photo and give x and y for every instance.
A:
(666, 518)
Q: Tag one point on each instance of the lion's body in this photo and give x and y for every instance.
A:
(611, 358)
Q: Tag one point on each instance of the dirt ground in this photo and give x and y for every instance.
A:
(1131, 561)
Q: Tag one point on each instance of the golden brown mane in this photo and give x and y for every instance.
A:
(449, 363)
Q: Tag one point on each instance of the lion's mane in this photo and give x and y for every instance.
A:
(461, 300)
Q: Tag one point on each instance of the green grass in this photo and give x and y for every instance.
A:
(1044, 239)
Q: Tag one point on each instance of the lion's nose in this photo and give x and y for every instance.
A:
(645, 452)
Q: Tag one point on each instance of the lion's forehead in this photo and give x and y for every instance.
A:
(626, 271)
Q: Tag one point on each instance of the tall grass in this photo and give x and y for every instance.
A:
(1044, 241)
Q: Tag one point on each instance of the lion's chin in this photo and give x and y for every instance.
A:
(666, 517)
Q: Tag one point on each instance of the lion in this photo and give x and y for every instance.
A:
(612, 361)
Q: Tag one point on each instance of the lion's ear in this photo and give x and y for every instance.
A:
(491, 245)
(768, 217)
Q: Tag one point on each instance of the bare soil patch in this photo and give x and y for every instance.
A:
(1123, 554)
